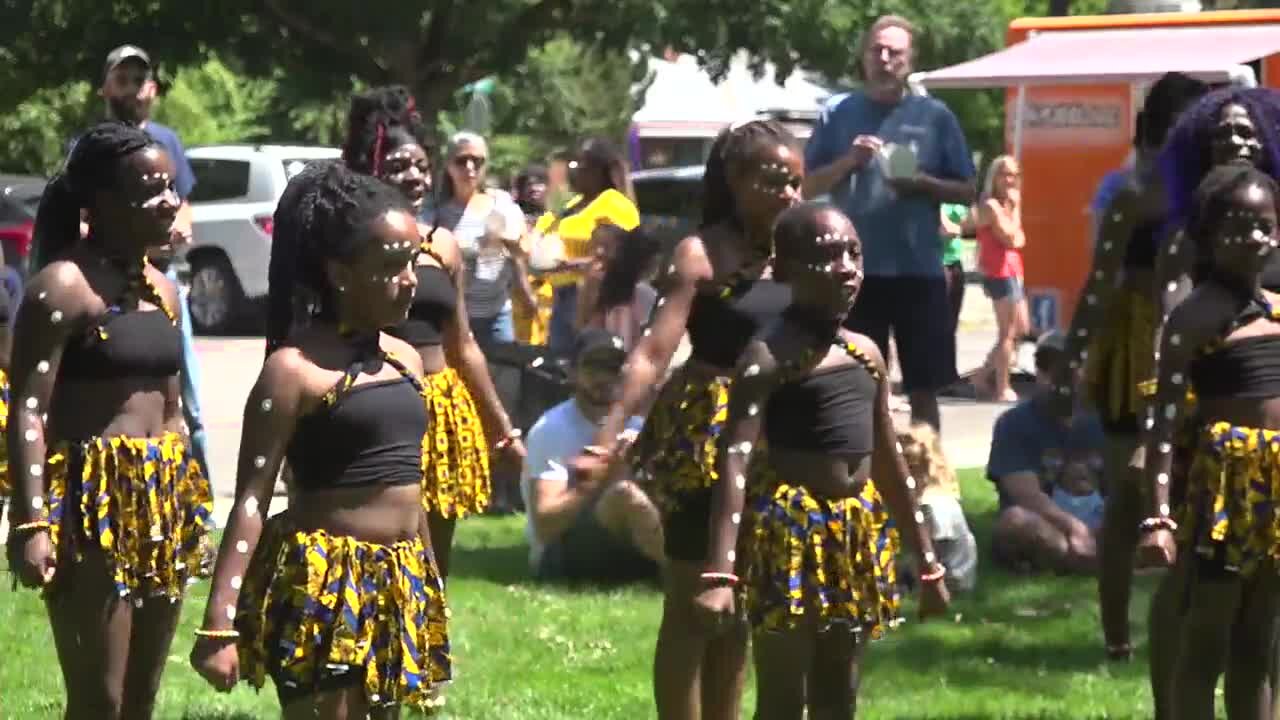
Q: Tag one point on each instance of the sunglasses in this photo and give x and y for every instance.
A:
(462, 160)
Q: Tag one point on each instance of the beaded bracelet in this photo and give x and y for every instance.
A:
(218, 634)
(719, 579)
(1152, 524)
(512, 436)
(33, 525)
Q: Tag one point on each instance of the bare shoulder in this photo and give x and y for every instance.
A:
(757, 363)
(403, 352)
(867, 346)
(60, 287)
(163, 285)
(444, 244)
(1199, 318)
(691, 262)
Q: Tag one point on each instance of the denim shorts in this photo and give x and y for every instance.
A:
(1005, 288)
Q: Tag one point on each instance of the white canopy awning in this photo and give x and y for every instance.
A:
(1082, 57)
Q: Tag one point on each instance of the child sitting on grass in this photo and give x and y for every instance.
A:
(953, 541)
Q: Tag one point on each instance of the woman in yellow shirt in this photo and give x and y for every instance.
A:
(603, 195)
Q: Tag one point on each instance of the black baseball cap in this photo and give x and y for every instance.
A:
(124, 53)
(599, 348)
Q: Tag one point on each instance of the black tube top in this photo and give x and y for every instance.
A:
(435, 301)
(722, 323)
(369, 434)
(1248, 368)
(830, 410)
(133, 344)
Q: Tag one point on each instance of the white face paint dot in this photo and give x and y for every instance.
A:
(1150, 423)
(31, 435)
(647, 332)
(32, 403)
(751, 371)
(251, 506)
(898, 448)
(55, 316)
(1172, 286)
(930, 558)
(737, 518)
(266, 405)
(1176, 378)
(741, 482)
(919, 516)
(1164, 508)
(259, 461)
(43, 294)
(242, 546)
(911, 483)
(733, 556)
(1091, 299)
(753, 409)
(662, 301)
(37, 502)
(1098, 274)
(231, 612)
(537, 362)
(1163, 478)
(235, 582)
(1165, 447)
(1175, 340)
(1170, 411)
(42, 367)
(36, 470)
(1083, 332)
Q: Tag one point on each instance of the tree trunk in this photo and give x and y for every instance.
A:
(1059, 8)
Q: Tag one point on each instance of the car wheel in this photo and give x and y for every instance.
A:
(216, 299)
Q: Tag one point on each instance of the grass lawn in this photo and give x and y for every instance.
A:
(1015, 649)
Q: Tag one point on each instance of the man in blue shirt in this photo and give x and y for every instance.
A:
(1031, 450)
(896, 215)
(129, 90)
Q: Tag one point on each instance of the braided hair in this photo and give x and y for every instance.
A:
(733, 147)
(379, 120)
(323, 215)
(1211, 202)
(1187, 156)
(92, 165)
(635, 256)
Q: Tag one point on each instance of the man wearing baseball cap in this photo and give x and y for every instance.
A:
(587, 529)
(129, 89)
(1030, 451)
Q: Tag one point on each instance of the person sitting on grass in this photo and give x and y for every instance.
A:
(953, 541)
(1030, 448)
(598, 527)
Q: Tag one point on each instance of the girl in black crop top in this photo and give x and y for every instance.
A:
(466, 417)
(814, 399)
(1222, 342)
(753, 173)
(95, 370)
(340, 594)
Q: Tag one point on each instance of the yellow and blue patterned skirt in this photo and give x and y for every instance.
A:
(675, 453)
(5, 487)
(143, 502)
(455, 454)
(1232, 508)
(1121, 357)
(314, 606)
(810, 558)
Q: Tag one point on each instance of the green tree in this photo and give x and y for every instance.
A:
(34, 135)
(211, 103)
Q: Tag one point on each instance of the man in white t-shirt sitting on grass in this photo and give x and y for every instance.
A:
(587, 529)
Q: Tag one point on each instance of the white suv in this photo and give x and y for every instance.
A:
(237, 189)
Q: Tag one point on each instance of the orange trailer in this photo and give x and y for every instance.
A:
(1073, 87)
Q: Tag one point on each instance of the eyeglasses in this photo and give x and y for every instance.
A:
(462, 160)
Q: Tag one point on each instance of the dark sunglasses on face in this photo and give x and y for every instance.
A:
(462, 160)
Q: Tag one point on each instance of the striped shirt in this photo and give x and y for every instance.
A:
(490, 272)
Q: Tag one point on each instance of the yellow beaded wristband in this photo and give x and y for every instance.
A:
(228, 634)
(33, 525)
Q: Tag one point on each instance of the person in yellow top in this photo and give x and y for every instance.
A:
(603, 196)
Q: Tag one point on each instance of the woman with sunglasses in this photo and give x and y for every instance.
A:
(603, 195)
(489, 228)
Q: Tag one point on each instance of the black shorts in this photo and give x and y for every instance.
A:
(588, 552)
(686, 531)
(917, 312)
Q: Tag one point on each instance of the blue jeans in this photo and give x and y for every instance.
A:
(190, 380)
(564, 310)
(495, 330)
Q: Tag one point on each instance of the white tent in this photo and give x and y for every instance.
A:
(683, 102)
